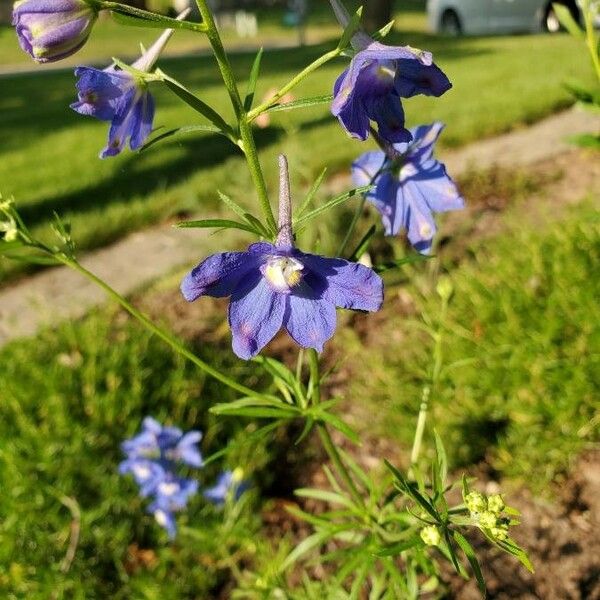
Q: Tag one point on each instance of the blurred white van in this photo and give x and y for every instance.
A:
(476, 17)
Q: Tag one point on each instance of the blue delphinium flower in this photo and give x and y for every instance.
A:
(152, 458)
(164, 444)
(275, 285)
(410, 186)
(377, 78)
(122, 98)
(228, 482)
(50, 30)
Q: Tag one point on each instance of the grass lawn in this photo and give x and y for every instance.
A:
(69, 397)
(48, 156)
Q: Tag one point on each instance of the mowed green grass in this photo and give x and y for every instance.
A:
(48, 155)
(520, 390)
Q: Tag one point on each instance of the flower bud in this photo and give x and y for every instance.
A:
(430, 535)
(488, 520)
(496, 504)
(50, 31)
(476, 502)
(11, 234)
(500, 533)
(444, 288)
(237, 475)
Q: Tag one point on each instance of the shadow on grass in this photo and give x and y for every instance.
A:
(136, 179)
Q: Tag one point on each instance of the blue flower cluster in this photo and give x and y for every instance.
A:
(152, 457)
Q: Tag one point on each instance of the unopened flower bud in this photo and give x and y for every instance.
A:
(488, 520)
(496, 504)
(430, 535)
(237, 475)
(444, 288)
(50, 31)
(476, 502)
(499, 533)
(11, 235)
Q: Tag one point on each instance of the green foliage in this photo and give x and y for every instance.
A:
(68, 399)
(520, 381)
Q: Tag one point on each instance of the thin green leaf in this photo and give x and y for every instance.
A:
(352, 28)
(216, 223)
(135, 17)
(383, 32)
(395, 264)
(263, 407)
(325, 496)
(338, 424)
(251, 437)
(33, 259)
(399, 547)
(234, 206)
(8, 246)
(198, 105)
(308, 425)
(364, 243)
(472, 558)
(302, 221)
(256, 223)
(278, 370)
(306, 545)
(563, 13)
(179, 131)
(448, 551)
(311, 193)
(301, 103)
(249, 100)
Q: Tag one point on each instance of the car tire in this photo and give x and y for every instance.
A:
(551, 23)
(450, 24)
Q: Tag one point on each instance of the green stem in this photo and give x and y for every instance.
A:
(251, 154)
(353, 224)
(421, 421)
(161, 333)
(248, 145)
(436, 370)
(290, 85)
(591, 37)
(334, 455)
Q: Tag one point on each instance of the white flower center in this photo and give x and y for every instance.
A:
(161, 518)
(142, 471)
(283, 272)
(168, 489)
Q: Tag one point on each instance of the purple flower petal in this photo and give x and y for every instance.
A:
(413, 78)
(366, 167)
(220, 274)
(255, 315)
(310, 322)
(346, 284)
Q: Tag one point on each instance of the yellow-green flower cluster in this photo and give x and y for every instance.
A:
(486, 511)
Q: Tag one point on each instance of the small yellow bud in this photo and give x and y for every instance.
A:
(500, 533)
(488, 520)
(237, 475)
(11, 235)
(496, 504)
(444, 288)
(430, 535)
(476, 502)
